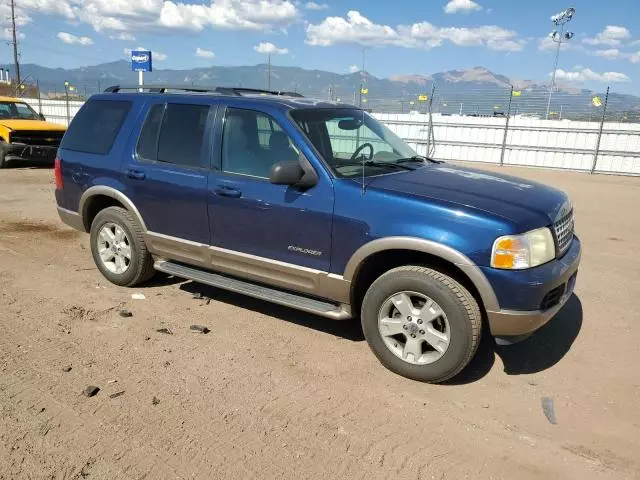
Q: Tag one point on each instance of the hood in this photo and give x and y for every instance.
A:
(13, 124)
(526, 204)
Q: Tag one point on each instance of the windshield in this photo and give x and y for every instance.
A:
(351, 138)
(18, 111)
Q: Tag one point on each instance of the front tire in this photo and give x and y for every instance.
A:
(3, 152)
(421, 323)
(118, 248)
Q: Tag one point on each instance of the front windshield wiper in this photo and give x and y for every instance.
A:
(373, 163)
(417, 159)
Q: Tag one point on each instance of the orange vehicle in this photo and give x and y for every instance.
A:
(25, 135)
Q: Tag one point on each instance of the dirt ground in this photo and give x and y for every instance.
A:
(274, 393)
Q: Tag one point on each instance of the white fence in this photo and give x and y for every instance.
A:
(55, 111)
(563, 144)
(531, 142)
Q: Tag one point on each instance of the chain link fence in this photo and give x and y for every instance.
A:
(515, 125)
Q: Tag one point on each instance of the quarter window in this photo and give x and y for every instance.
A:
(96, 126)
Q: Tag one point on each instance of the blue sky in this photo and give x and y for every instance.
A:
(401, 36)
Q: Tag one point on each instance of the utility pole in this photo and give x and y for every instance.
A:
(269, 73)
(15, 42)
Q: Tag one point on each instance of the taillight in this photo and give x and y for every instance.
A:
(58, 173)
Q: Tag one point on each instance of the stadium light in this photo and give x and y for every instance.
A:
(559, 21)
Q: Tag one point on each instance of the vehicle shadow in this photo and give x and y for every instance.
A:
(548, 345)
(539, 352)
(30, 165)
(347, 329)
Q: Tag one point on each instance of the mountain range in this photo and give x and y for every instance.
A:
(472, 91)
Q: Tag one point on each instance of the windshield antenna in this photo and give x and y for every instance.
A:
(363, 191)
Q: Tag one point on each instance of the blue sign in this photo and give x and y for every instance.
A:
(141, 61)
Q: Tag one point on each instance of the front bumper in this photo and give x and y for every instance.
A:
(559, 274)
(31, 153)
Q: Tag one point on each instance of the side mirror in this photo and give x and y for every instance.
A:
(293, 173)
(42, 117)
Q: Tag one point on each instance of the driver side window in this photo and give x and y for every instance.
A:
(252, 142)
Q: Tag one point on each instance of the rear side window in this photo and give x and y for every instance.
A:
(96, 126)
(174, 133)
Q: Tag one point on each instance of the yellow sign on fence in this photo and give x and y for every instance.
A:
(364, 91)
(517, 93)
(423, 98)
(597, 101)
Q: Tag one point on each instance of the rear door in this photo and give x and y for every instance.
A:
(167, 172)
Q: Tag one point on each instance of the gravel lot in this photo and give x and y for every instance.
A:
(274, 393)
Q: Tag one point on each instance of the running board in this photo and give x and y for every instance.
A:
(299, 302)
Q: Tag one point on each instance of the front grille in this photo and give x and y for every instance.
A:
(552, 298)
(36, 137)
(564, 231)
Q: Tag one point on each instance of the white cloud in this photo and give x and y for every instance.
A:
(611, 35)
(22, 19)
(635, 57)
(546, 44)
(122, 16)
(316, 6)
(357, 29)
(70, 39)
(202, 53)
(354, 29)
(154, 55)
(229, 14)
(491, 36)
(127, 37)
(611, 53)
(586, 74)
(635, 43)
(461, 6)
(353, 68)
(270, 48)
(63, 8)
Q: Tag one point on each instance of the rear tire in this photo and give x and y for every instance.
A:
(118, 248)
(421, 323)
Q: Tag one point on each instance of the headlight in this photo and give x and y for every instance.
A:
(515, 252)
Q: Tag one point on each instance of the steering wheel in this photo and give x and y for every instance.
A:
(360, 148)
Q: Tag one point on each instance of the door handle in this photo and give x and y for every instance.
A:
(225, 191)
(136, 174)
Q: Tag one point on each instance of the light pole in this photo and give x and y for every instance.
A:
(559, 21)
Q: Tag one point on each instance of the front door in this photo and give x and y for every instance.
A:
(253, 216)
(167, 175)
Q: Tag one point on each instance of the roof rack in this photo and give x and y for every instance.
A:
(232, 91)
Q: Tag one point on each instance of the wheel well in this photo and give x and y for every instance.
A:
(95, 205)
(381, 262)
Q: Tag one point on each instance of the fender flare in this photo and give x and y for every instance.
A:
(470, 269)
(113, 193)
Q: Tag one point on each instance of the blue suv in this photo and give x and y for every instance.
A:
(317, 206)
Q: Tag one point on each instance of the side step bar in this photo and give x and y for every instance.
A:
(299, 302)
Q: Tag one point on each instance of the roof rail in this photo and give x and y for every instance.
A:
(232, 91)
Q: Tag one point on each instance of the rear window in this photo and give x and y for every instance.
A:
(95, 126)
